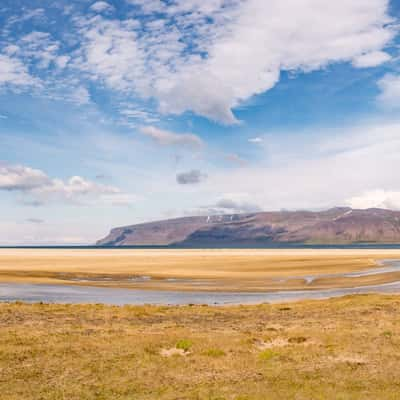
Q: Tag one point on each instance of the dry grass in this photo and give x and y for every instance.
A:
(223, 269)
(345, 348)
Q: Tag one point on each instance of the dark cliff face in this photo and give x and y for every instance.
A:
(334, 226)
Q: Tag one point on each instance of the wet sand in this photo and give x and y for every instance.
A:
(201, 270)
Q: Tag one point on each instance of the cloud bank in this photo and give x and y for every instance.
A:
(376, 199)
(229, 204)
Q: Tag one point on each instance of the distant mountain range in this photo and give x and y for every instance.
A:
(335, 226)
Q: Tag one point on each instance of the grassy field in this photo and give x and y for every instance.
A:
(347, 348)
(245, 270)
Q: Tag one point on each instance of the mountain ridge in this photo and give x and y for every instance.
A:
(339, 225)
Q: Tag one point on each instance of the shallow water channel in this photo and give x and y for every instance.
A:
(89, 294)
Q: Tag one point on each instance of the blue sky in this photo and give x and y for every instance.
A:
(117, 112)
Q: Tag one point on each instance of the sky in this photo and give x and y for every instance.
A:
(125, 111)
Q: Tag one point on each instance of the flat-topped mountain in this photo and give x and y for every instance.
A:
(335, 226)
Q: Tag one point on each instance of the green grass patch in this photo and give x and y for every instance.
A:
(184, 344)
(267, 355)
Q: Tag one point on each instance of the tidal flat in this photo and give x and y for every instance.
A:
(232, 270)
(203, 270)
(344, 348)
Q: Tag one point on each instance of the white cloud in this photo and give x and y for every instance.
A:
(36, 38)
(41, 47)
(231, 206)
(21, 178)
(11, 49)
(110, 53)
(101, 6)
(205, 56)
(234, 203)
(337, 165)
(372, 59)
(269, 40)
(136, 113)
(187, 58)
(389, 86)
(14, 72)
(149, 6)
(256, 140)
(26, 15)
(376, 199)
(38, 188)
(72, 188)
(80, 96)
(62, 61)
(167, 138)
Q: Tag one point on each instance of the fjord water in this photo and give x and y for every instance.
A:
(261, 245)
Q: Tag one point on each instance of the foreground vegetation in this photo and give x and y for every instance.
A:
(345, 348)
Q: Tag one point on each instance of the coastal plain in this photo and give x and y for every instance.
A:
(343, 349)
(204, 270)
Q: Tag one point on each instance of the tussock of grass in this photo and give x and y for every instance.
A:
(267, 355)
(184, 344)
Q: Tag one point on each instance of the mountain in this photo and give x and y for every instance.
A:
(335, 226)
